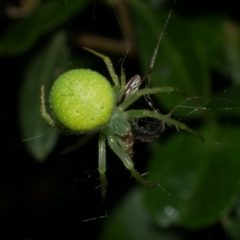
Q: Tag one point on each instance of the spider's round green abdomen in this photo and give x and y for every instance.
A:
(82, 100)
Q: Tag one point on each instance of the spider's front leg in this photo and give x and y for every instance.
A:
(110, 68)
(146, 91)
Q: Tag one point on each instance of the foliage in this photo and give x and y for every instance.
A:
(198, 182)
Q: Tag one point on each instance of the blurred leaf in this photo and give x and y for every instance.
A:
(44, 69)
(189, 50)
(231, 223)
(23, 33)
(207, 35)
(202, 179)
(232, 48)
(190, 171)
(129, 221)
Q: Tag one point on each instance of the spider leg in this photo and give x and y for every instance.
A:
(132, 114)
(147, 74)
(145, 91)
(132, 86)
(123, 78)
(127, 161)
(121, 91)
(47, 117)
(134, 83)
(150, 103)
(109, 65)
(43, 110)
(142, 134)
(102, 164)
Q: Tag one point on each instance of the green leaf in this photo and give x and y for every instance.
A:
(189, 50)
(201, 180)
(23, 33)
(232, 50)
(178, 63)
(208, 37)
(44, 69)
(231, 223)
(130, 221)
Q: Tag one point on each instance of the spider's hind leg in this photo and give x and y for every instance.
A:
(102, 164)
(127, 161)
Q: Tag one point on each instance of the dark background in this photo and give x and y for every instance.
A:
(52, 200)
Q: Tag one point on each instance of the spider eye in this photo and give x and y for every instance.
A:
(82, 100)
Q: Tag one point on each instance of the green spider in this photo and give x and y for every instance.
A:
(84, 102)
